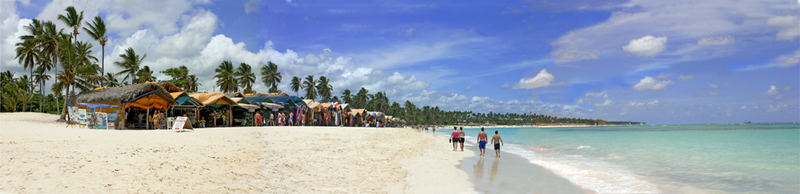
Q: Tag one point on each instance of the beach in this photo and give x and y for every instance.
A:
(42, 156)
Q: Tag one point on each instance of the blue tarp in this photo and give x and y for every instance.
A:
(287, 101)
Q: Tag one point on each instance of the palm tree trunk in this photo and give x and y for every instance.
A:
(41, 94)
(64, 110)
(103, 65)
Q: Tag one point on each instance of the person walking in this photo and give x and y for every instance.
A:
(461, 136)
(497, 141)
(482, 142)
(454, 138)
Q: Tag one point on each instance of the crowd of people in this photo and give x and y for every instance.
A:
(458, 137)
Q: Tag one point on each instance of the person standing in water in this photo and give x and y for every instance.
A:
(461, 136)
(497, 141)
(482, 142)
(454, 138)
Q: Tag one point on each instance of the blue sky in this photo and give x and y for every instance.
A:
(654, 61)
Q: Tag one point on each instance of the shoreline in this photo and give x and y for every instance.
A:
(523, 126)
(43, 156)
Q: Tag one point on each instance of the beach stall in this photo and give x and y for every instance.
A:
(358, 116)
(216, 107)
(185, 105)
(123, 105)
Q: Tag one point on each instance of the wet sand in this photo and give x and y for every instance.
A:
(512, 174)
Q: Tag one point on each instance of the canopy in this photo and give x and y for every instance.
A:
(287, 100)
(357, 111)
(257, 99)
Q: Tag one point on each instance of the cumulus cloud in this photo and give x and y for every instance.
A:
(716, 41)
(773, 90)
(650, 83)
(647, 46)
(789, 26)
(542, 79)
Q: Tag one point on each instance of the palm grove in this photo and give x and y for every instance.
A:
(45, 49)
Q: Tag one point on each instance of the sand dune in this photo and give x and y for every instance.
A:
(40, 155)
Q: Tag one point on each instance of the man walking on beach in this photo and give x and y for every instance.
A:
(497, 141)
(461, 136)
(454, 138)
(482, 142)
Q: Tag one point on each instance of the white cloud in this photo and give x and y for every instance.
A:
(643, 103)
(773, 90)
(716, 41)
(542, 79)
(193, 37)
(604, 103)
(650, 83)
(647, 46)
(789, 26)
(790, 59)
(685, 77)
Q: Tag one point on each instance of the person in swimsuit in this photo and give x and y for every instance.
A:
(461, 136)
(497, 141)
(482, 142)
(454, 138)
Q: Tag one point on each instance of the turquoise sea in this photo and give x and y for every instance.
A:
(757, 158)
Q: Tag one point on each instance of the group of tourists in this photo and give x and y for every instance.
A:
(458, 135)
(156, 120)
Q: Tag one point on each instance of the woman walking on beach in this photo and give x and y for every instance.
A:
(461, 136)
(497, 141)
(454, 138)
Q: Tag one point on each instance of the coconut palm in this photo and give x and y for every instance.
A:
(270, 76)
(347, 96)
(145, 75)
(80, 70)
(324, 88)
(310, 85)
(226, 80)
(192, 84)
(130, 64)
(48, 39)
(72, 19)
(110, 80)
(41, 77)
(27, 55)
(246, 77)
(97, 30)
(295, 84)
(5, 78)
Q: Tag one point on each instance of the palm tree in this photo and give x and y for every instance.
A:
(5, 79)
(347, 96)
(27, 55)
(110, 80)
(225, 77)
(324, 88)
(145, 75)
(130, 64)
(270, 76)
(97, 30)
(80, 70)
(73, 20)
(246, 77)
(192, 84)
(310, 86)
(295, 84)
(40, 78)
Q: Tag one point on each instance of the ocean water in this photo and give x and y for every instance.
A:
(757, 158)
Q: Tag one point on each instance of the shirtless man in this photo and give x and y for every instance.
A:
(482, 141)
(497, 141)
(461, 136)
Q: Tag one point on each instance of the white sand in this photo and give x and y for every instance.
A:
(40, 155)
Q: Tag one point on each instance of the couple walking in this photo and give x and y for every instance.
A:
(457, 137)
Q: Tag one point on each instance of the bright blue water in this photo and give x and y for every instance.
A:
(758, 158)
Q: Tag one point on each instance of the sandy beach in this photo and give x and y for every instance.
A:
(42, 156)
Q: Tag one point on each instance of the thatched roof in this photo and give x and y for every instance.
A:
(170, 87)
(213, 98)
(129, 93)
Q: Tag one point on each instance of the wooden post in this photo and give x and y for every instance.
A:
(147, 119)
(122, 112)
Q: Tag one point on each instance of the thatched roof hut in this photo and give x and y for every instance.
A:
(144, 95)
(208, 98)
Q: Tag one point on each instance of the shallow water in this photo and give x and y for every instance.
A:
(758, 158)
